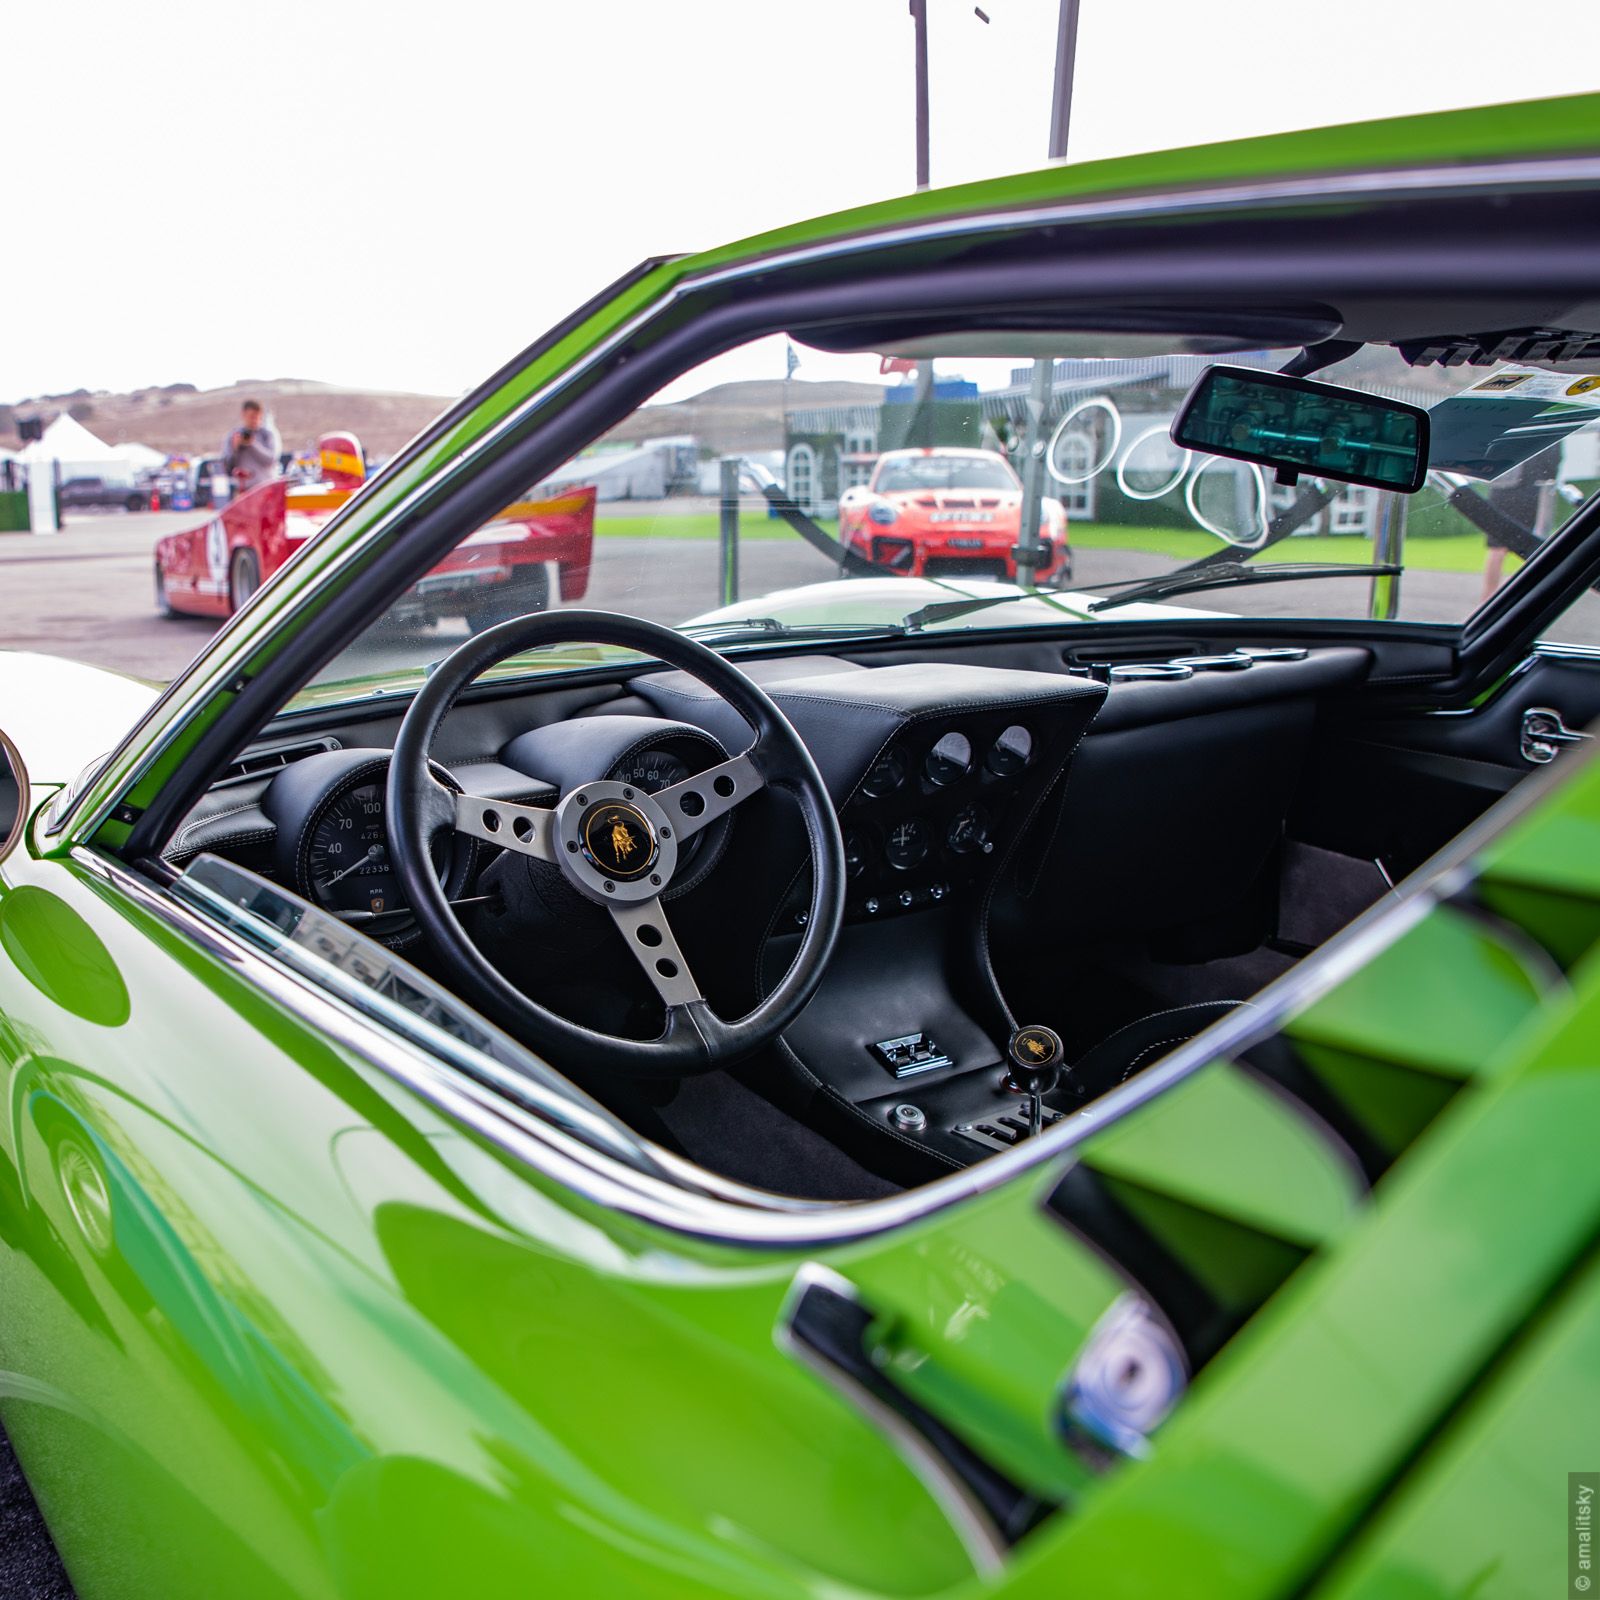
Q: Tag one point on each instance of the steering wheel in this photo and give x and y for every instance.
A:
(617, 846)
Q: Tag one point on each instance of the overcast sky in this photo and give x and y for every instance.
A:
(403, 194)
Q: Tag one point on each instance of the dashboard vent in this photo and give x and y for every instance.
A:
(265, 760)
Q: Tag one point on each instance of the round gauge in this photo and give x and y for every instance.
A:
(348, 857)
(949, 760)
(887, 774)
(855, 855)
(969, 831)
(1011, 752)
(651, 770)
(907, 844)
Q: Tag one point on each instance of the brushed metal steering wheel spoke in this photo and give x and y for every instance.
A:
(649, 936)
(700, 800)
(524, 829)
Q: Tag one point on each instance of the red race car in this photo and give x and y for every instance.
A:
(212, 569)
(946, 512)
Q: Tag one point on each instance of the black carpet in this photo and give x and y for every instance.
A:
(723, 1125)
(30, 1569)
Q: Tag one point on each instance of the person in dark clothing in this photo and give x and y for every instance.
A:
(250, 455)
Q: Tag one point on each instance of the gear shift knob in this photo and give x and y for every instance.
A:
(1035, 1054)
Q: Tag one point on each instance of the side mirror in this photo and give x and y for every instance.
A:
(14, 797)
(1296, 425)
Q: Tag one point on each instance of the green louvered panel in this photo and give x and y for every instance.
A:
(1292, 1182)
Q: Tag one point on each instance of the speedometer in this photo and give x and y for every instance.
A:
(348, 856)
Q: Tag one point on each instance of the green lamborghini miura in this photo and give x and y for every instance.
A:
(828, 1080)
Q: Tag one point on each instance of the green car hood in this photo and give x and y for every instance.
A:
(63, 714)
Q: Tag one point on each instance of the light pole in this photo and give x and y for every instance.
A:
(919, 27)
(1028, 549)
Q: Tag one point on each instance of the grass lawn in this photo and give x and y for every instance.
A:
(1456, 552)
(697, 525)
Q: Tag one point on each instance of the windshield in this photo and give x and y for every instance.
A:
(906, 474)
(780, 490)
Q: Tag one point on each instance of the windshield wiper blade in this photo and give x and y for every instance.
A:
(1231, 574)
(737, 630)
(948, 610)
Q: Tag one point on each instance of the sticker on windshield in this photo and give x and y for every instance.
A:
(1508, 417)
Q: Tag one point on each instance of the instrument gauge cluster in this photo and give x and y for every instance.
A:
(929, 811)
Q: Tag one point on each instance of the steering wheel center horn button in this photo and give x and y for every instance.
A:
(618, 840)
(615, 843)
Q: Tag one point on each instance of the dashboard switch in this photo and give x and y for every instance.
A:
(909, 1118)
(910, 1054)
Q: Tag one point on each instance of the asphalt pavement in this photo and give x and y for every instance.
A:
(30, 1569)
(87, 592)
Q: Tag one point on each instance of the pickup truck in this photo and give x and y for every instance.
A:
(78, 493)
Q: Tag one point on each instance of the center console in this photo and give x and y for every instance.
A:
(935, 769)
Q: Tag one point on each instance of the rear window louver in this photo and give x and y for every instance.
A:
(263, 762)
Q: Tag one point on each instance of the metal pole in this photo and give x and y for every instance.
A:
(919, 23)
(1389, 550)
(1030, 549)
(1066, 65)
(728, 532)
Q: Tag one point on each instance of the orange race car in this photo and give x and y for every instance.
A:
(212, 569)
(948, 512)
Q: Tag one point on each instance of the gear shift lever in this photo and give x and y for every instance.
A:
(1036, 1054)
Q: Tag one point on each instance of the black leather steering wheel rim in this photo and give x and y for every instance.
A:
(695, 1038)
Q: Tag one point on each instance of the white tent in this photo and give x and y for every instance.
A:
(81, 454)
(140, 457)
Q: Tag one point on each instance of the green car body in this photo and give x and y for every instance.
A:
(283, 1314)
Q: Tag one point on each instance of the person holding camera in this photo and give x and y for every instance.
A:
(250, 456)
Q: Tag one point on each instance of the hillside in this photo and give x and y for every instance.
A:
(177, 418)
(181, 418)
(744, 415)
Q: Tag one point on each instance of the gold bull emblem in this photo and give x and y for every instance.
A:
(622, 842)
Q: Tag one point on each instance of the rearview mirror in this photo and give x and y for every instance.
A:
(14, 803)
(1297, 425)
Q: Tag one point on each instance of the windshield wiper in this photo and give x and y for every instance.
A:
(1232, 574)
(948, 610)
(739, 630)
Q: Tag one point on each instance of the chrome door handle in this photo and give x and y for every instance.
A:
(1544, 733)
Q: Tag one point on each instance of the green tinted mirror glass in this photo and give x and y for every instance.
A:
(1299, 426)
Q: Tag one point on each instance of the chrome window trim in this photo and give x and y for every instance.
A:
(1540, 650)
(697, 1203)
(217, 664)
